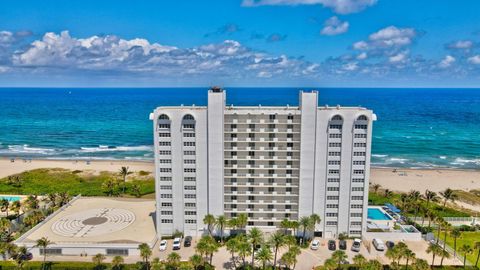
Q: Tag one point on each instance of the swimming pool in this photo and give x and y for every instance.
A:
(377, 214)
(10, 198)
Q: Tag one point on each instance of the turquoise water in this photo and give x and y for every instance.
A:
(377, 214)
(10, 198)
(425, 128)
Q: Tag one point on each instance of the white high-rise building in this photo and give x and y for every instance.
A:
(272, 163)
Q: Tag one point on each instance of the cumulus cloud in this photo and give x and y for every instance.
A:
(474, 60)
(447, 61)
(333, 26)
(398, 58)
(392, 36)
(339, 6)
(460, 45)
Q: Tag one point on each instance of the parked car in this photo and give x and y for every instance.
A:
(332, 245)
(188, 241)
(314, 245)
(390, 244)
(378, 244)
(163, 245)
(177, 242)
(356, 245)
(342, 244)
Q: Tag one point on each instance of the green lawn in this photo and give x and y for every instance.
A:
(44, 181)
(468, 238)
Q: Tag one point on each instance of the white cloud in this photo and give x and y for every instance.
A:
(6, 37)
(393, 36)
(334, 26)
(339, 6)
(461, 44)
(360, 45)
(398, 58)
(474, 60)
(362, 56)
(447, 61)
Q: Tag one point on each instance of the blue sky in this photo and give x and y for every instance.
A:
(364, 43)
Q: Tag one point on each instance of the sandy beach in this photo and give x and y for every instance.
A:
(393, 179)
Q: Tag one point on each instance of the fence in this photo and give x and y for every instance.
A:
(433, 239)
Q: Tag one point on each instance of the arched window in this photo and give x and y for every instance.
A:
(337, 118)
(163, 117)
(362, 118)
(188, 117)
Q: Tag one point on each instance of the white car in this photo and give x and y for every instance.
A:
(356, 245)
(177, 242)
(378, 244)
(314, 245)
(163, 245)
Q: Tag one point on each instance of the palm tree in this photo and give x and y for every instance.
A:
(209, 220)
(435, 249)
(5, 225)
(440, 224)
(196, 260)
(255, 236)
(15, 207)
(242, 221)
(393, 254)
(420, 264)
(232, 247)
(431, 215)
(373, 265)
(330, 264)
(43, 243)
(466, 250)
(455, 234)
(446, 228)
(409, 255)
(98, 259)
(173, 260)
(4, 206)
(19, 255)
(339, 257)
(109, 186)
(430, 196)
(117, 262)
(415, 198)
(448, 195)
(294, 225)
(207, 246)
(387, 193)
(145, 253)
(124, 171)
(221, 223)
(359, 261)
(243, 248)
(476, 246)
(31, 203)
(376, 187)
(264, 255)
(289, 258)
(306, 224)
(277, 240)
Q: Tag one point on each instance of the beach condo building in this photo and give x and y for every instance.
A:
(271, 163)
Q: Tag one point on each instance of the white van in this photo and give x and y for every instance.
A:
(378, 244)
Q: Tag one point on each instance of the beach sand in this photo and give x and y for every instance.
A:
(400, 180)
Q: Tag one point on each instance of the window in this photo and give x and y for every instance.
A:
(190, 187)
(189, 170)
(189, 161)
(251, 206)
(250, 189)
(271, 189)
(233, 126)
(251, 135)
(357, 188)
(52, 251)
(288, 206)
(358, 136)
(190, 205)
(331, 223)
(334, 162)
(191, 126)
(288, 189)
(165, 161)
(188, 143)
(335, 136)
(233, 135)
(333, 171)
(357, 206)
(188, 135)
(359, 162)
(190, 213)
(117, 251)
(333, 180)
(360, 126)
(333, 188)
(289, 144)
(165, 152)
(251, 198)
(335, 144)
(163, 117)
(166, 204)
(189, 178)
(289, 135)
(272, 116)
(271, 154)
(358, 154)
(358, 180)
(335, 126)
(163, 135)
(334, 154)
(164, 143)
(166, 196)
(358, 171)
(333, 198)
(270, 223)
(271, 126)
(190, 196)
(332, 206)
(163, 125)
(356, 232)
(356, 223)
(165, 178)
(166, 187)
(165, 169)
(233, 189)
(251, 126)
(359, 145)
(355, 214)
(332, 214)
(251, 153)
(188, 117)
(167, 221)
(271, 135)
(357, 198)
(189, 153)
(270, 206)
(167, 213)
(190, 221)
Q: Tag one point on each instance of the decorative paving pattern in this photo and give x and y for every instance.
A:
(93, 222)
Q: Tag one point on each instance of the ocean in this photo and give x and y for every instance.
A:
(419, 128)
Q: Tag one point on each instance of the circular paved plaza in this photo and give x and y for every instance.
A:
(93, 222)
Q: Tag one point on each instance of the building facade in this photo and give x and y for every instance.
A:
(272, 163)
